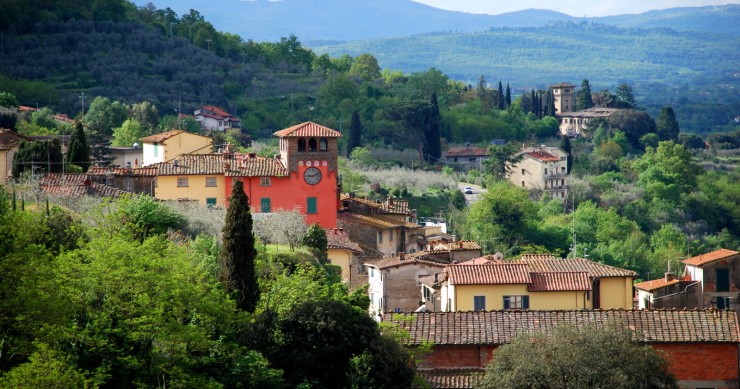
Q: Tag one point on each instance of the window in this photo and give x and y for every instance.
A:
(454, 159)
(522, 184)
(390, 235)
(471, 159)
(723, 302)
(156, 149)
(182, 182)
(323, 144)
(265, 181)
(479, 303)
(210, 181)
(311, 206)
(380, 236)
(523, 172)
(265, 205)
(301, 144)
(516, 302)
(427, 293)
(545, 171)
(210, 202)
(723, 280)
(312, 144)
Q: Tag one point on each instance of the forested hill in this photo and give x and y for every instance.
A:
(348, 20)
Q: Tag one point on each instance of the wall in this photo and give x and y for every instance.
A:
(401, 288)
(457, 356)
(558, 300)
(343, 259)
(702, 365)
(616, 292)
(375, 290)
(6, 164)
(166, 189)
(709, 273)
(186, 143)
(494, 295)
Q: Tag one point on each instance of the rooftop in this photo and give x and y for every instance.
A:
(232, 165)
(652, 285)
(594, 269)
(76, 185)
(308, 129)
(703, 259)
(460, 378)
(167, 135)
(338, 239)
(467, 152)
(501, 327)
(596, 112)
(377, 221)
(559, 281)
(489, 274)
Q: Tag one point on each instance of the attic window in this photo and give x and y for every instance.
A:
(312, 144)
(323, 144)
(301, 144)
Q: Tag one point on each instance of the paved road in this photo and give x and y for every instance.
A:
(471, 198)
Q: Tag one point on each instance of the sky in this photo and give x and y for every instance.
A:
(575, 8)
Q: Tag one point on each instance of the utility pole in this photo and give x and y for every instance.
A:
(208, 41)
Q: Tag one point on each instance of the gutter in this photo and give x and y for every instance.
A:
(677, 293)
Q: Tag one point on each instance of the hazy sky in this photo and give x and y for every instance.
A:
(571, 7)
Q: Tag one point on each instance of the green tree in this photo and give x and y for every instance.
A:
(104, 115)
(355, 133)
(625, 97)
(501, 98)
(78, 153)
(667, 172)
(634, 124)
(484, 93)
(145, 216)
(414, 118)
(421, 85)
(585, 357)
(146, 114)
(583, 97)
(508, 96)
(667, 126)
(432, 141)
(366, 67)
(330, 344)
(500, 159)
(236, 261)
(8, 100)
(316, 240)
(337, 89)
(129, 133)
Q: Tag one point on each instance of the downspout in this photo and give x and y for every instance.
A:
(677, 293)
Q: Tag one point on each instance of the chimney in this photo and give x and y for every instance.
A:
(401, 256)
(460, 244)
(436, 278)
(176, 163)
(669, 276)
(128, 167)
(252, 155)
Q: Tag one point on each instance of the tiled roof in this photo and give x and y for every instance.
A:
(501, 327)
(559, 281)
(487, 260)
(308, 129)
(239, 165)
(377, 221)
(454, 246)
(467, 152)
(390, 205)
(216, 110)
(652, 285)
(563, 85)
(148, 171)
(538, 256)
(337, 239)
(709, 257)
(161, 136)
(490, 274)
(594, 269)
(10, 137)
(76, 185)
(451, 378)
(595, 112)
(543, 156)
(408, 260)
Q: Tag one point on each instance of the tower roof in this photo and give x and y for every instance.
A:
(308, 129)
(563, 85)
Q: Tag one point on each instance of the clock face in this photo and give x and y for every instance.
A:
(312, 176)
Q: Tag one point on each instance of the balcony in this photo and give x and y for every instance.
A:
(557, 188)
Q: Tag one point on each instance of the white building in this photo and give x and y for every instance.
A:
(215, 119)
(542, 168)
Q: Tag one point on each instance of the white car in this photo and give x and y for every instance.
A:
(468, 190)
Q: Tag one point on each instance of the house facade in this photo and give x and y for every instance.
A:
(394, 282)
(168, 146)
(575, 124)
(466, 158)
(297, 179)
(541, 168)
(701, 346)
(213, 118)
(564, 97)
(124, 156)
(710, 280)
(348, 255)
(9, 145)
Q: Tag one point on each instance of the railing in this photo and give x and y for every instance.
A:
(559, 187)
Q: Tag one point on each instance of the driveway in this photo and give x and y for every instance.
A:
(470, 199)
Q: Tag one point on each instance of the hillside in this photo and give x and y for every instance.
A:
(349, 20)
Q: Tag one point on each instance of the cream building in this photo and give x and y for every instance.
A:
(575, 124)
(167, 146)
(542, 168)
(564, 97)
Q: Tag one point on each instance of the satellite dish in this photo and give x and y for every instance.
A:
(498, 255)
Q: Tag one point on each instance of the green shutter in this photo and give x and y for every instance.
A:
(265, 205)
(525, 302)
(506, 302)
(311, 206)
(211, 201)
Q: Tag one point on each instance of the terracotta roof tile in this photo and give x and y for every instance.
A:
(454, 246)
(594, 269)
(390, 205)
(467, 152)
(563, 85)
(652, 285)
(76, 185)
(308, 129)
(337, 239)
(451, 378)
(501, 327)
(148, 171)
(487, 260)
(542, 156)
(238, 165)
(489, 274)
(709, 257)
(161, 136)
(378, 221)
(408, 260)
(559, 281)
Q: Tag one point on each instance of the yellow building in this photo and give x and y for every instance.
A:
(535, 282)
(346, 254)
(168, 146)
(9, 143)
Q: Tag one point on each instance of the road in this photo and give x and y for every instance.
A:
(470, 199)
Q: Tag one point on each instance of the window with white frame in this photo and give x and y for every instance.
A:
(265, 181)
(182, 182)
(516, 302)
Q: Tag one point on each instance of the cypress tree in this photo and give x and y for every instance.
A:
(56, 157)
(355, 133)
(565, 146)
(533, 98)
(667, 125)
(508, 96)
(236, 260)
(550, 108)
(78, 152)
(432, 142)
(501, 101)
(583, 98)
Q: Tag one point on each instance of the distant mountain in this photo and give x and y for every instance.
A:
(348, 20)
